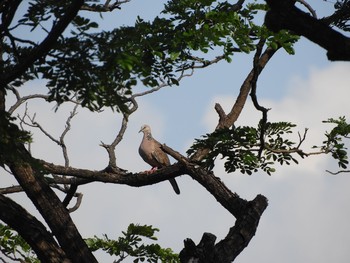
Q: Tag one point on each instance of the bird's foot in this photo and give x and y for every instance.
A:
(152, 170)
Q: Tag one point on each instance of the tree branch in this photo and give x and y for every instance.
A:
(257, 69)
(32, 230)
(284, 15)
(46, 45)
(229, 119)
(49, 206)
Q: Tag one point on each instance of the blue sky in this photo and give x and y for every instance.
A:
(307, 216)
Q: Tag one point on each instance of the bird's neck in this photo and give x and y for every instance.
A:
(148, 136)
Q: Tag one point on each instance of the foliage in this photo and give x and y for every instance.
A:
(130, 245)
(14, 247)
(242, 150)
(101, 68)
(342, 14)
(335, 141)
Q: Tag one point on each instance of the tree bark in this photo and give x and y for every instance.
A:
(284, 15)
(233, 244)
(32, 230)
(51, 208)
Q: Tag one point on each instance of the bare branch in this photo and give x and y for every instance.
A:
(220, 112)
(65, 131)
(21, 100)
(302, 138)
(11, 190)
(34, 124)
(338, 172)
(309, 7)
(162, 85)
(79, 197)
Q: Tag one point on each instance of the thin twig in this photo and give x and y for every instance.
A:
(64, 133)
(309, 7)
(338, 172)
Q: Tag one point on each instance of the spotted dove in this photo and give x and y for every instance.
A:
(151, 152)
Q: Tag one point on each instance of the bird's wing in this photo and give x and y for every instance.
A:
(159, 155)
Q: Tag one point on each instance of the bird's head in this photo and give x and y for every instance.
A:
(145, 129)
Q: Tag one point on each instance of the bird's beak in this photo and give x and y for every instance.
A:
(140, 130)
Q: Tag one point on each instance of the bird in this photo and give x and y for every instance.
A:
(151, 152)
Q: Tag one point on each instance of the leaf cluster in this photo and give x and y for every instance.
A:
(242, 149)
(131, 244)
(342, 14)
(14, 247)
(101, 68)
(334, 143)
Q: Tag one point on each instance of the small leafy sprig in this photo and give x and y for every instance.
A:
(334, 143)
(14, 247)
(131, 245)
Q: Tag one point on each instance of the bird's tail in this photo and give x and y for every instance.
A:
(175, 186)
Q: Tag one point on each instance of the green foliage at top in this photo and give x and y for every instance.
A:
(100, 68)
(131, 245)
(242, 150)
(13, 246)
(334, 144)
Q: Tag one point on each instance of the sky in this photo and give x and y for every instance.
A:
(307, 216)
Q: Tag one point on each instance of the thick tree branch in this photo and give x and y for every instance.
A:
(32, 230)
(247, 214)
(42, 49)
(284, 15)
(117, 176)
(50, 207)
(8, 11)
(238, 237)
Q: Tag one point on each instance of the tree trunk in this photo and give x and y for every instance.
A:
(52, 210)
(32, 230)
